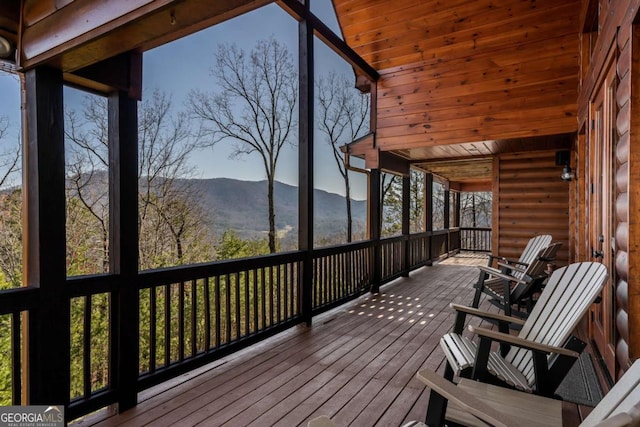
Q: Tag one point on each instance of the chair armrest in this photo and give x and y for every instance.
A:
(512, 267)
(515, 261)
(486, 315)
(622, 419)
(519, 342)
(466, 401)
(500, 275)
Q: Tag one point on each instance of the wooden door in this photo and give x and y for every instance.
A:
(601, 208)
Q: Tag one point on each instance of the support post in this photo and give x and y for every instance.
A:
(123, 244)
(375, 223)
(428, 212)
(305, 165)
(406, 222)
(447, 217)
(47, 332)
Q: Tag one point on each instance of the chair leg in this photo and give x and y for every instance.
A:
(479, 285)
(476, 298)
(436, 410)
(437, 407)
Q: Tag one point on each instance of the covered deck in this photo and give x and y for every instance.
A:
(357, 364)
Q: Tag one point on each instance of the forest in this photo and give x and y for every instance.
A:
(175, 227)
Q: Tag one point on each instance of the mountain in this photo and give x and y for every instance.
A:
(242, 206)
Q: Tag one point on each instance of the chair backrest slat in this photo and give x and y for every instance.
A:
(535, 269)
(534, 246)
(565, 299)
(621, 398)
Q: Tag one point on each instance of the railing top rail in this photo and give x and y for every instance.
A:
(15, 300)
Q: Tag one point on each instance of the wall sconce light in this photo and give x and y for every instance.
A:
(564, 158)
(567, 174)
(5, 48)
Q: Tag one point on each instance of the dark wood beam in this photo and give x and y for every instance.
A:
(428, 202)
(305, 162)
(48, 328)
(123, 246)
(120, 73)
(123, 26)
(406, 222)
(390, 162)
(296, 9)
(374, 219)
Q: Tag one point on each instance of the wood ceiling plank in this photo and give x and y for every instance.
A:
(402, 117)
(564, 44)
(472, 72)
(504, 36)
(503, 119)
(529, 97)
(497, 94)
(458, 23)
(467, 135)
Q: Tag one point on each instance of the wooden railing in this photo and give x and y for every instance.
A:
(192, 315)
(475, 239)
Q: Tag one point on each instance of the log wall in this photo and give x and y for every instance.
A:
(530, 199)
(616, 22)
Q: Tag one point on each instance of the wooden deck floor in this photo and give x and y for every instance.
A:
(356, 364)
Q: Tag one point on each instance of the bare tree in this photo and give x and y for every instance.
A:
(391, 205)
(416, 204)
(169, 217)
(9, 153)
(343, 117)
(11, 238)
(87, 187)
(254, 108)
(475, 209)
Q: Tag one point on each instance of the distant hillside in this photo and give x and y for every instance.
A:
(242, 206)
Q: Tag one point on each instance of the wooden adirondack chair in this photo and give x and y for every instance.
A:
(471, 403)
(513, 284)
(525, 364)
(528, 254)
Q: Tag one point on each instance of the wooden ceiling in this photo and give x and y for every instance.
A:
(458, 79)
(463, 79)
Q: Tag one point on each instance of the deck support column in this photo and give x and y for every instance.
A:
(406, 222)
(447, 216)
(305, 164)
(375, 223)
(47, 330)
(428, 213)
(123, 226)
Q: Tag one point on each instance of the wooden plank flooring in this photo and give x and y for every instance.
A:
(356, 364)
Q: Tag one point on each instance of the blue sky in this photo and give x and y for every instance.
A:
(185, 64)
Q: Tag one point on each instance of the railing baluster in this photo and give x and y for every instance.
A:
(167, 325)
(285, 302)
(194, 317)
(152, 329)
(16, 357)
(228, 320)
(217, 310)
(271, 311)
(279, 293)
(86, 354)
(236, 288)
(247, 307)
(255, 300)
(181, 321)
(207, 315)
(263, 295)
